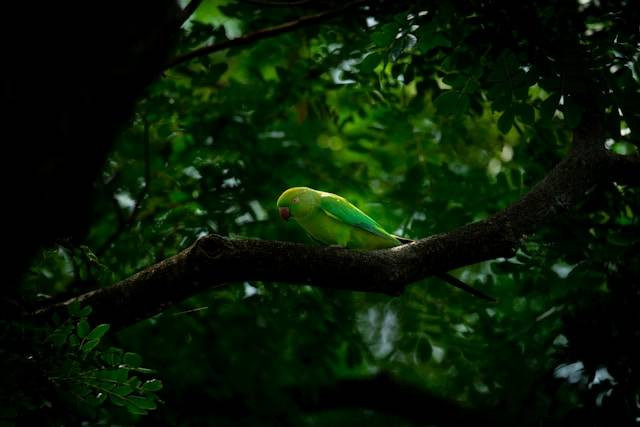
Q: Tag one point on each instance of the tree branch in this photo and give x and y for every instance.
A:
(213, 260)
(262, 34)
(188, 10)
(278, 3)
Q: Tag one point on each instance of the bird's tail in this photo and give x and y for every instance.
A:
(461, 285)
(453, 281)
(404, 239)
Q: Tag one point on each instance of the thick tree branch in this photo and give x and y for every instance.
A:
(214, 260)
(262, 34)
(279, 3)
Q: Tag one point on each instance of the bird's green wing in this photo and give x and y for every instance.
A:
(342, 210)
(314, 239)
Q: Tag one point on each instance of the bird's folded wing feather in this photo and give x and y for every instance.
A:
(343, 211)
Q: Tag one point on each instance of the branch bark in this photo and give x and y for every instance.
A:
(262, 34)
(213, 260)
(279, 3)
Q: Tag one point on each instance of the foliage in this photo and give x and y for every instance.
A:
(84, 375)
(427, 117)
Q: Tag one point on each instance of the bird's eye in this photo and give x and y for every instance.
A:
(296, 200)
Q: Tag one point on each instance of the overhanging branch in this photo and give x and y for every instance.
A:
(188, 10)
(214, 260)
(262, 34)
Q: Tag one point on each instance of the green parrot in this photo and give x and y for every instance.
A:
(332, 220)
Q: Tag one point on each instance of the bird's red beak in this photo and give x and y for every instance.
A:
(284, 213)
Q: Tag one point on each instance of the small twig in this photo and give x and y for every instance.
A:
(261, 34)
(123, 224)
(188, 11)
(193, 310)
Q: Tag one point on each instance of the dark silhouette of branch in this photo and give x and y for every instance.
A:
(264, 33)
(278, 3)
(385, 394)
(124, 223)
(188, 10)
(213, 260)
(382, 393)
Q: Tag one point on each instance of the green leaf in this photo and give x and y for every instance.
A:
(83, 328)
(132, 359)
(98, 331)
(548, 107)
(152, 385)
(93, 400)
(119, 375)
(143, 402)
(58, 338)
(216, 71)
(521, 92)
(97, 381)
(506, 121)
(385, 35)
(123, 390)
(80, 389)
(370, 62)
(101, 397)
(400, 18)
(134, 382)
(456, 81)
(572, 113)
(423, 350)
(501, 101)
(112, 356)
(74, 309)
(505, 69)
(85, 311)
(452, 102)
(74, 340)
(526, 113)
(143, 370)
(90, 345)
(118, 400)
(353, 356)
(133, 409)
(431, 41)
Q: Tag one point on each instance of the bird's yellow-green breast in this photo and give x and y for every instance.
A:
(333, 220)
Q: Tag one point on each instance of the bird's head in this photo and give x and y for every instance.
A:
(297, 202)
